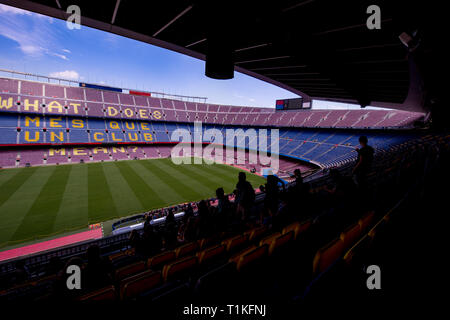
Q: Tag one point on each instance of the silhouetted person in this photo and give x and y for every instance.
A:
(98, 269)
(298, 176)
(223, 209)
(187, 230)
(151, 241)
(135, 242)
(301, 189)
(363, 163)
(272, 193)
(282, 216)
(171, 229)
(344, 196)
(245, 196)
(204, 219)
(189, 212)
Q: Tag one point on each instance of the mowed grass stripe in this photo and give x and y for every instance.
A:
(144, 190)
(6, 175)
(15, 181)
(224, 174)
(149, 174)
(100, 202)
(231, 173)
(196, 182)
(124, 197)
(254, 179)
(40, 218)
(211, 178)
(191, 188)
(13, 210)
(169, 189)
(101, 191)
(73, 211)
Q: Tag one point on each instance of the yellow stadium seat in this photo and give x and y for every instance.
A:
(179, 268)
(297, 227)
(378, 227)
(268, 240)
(235, 258)
(104, 294)
(134, 285)
(235, 242)
(280, 241)
(387, 217)
(327, 255)
(186, 249)
(161, 259)
(350, 235)
(256, 233)
(303, 227)
(129, 270)
(210, 254)
(292, 227)
(357, 248)
(366, 220)
(250, 257)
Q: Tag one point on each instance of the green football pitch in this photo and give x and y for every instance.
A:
(39, 202)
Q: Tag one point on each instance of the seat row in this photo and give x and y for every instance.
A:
(193, 260)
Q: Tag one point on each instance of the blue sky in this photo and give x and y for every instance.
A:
(38, 44)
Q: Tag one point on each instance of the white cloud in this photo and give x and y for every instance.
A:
(67, 74)
(38, 39)
(30, 49)
(60, 56)
(66, 50)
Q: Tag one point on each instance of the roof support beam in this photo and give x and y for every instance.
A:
(252, 47)
(196, 42)
(263, 59)
(115, 12)
(182, 13)
(277, 68)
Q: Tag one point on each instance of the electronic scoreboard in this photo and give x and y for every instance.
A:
(292, 104)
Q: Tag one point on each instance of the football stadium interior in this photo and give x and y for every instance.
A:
(87, 172)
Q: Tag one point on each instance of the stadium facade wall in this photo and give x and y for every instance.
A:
(49, 99)
(39, 114)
